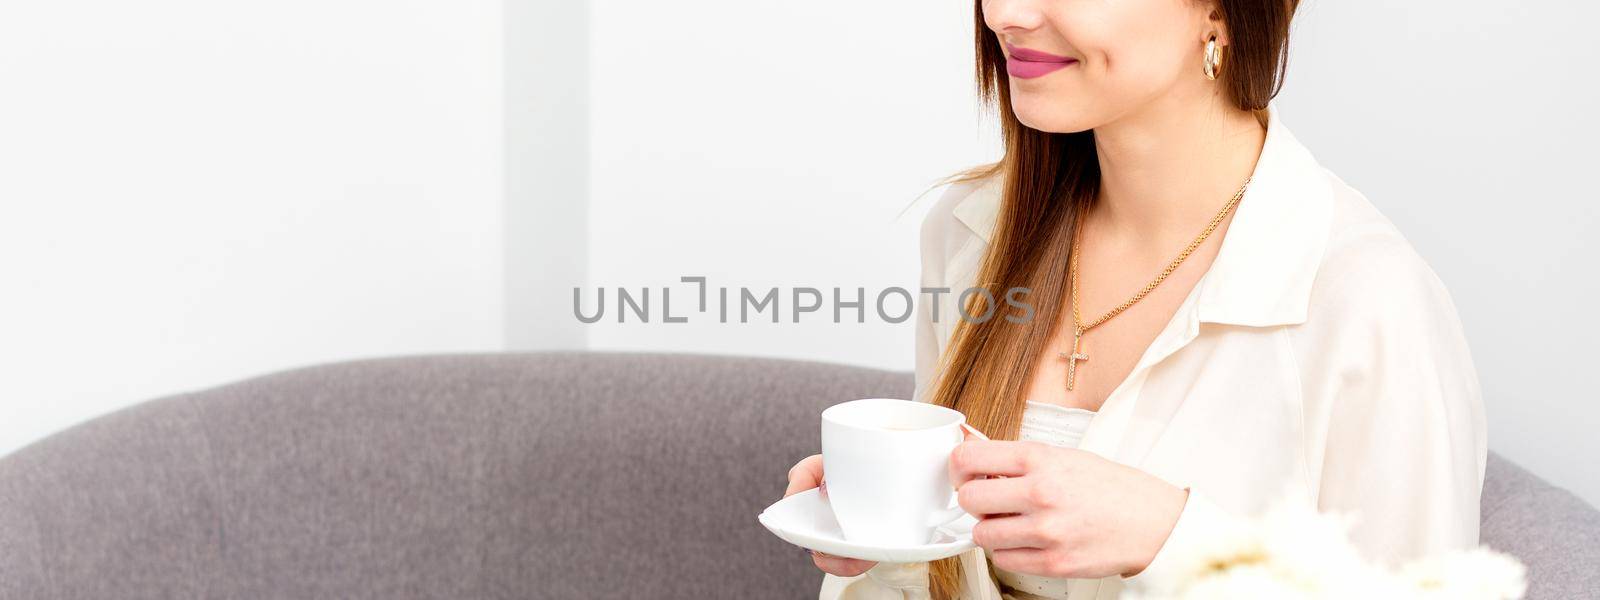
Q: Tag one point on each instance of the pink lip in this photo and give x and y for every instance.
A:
(1028, 64)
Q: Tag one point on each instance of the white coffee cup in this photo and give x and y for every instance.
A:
(887, 464)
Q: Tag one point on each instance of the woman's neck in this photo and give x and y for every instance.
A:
(1166, 170)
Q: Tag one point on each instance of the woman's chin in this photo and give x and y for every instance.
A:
(1053, 119)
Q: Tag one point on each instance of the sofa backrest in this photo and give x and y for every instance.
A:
(541, 475)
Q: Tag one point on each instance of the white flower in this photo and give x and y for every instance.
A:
(1293, 552)
(1477, 574)
(1218, 552)
(1247, 581)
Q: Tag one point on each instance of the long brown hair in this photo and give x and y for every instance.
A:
(1050, 179)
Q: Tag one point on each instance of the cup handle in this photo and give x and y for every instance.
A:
(954, 511)
(973, 430)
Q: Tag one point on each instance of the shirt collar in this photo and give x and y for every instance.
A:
(1263, 272)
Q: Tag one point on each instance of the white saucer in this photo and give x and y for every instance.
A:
(805, 519)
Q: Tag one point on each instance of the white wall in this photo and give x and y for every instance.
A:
(193, 192)
(547, 171)
(755, 144)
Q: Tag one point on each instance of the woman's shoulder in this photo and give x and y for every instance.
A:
(1383, 348)
(1370, 271)
(965, 202)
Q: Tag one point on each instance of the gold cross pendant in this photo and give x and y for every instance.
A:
(1073, 358)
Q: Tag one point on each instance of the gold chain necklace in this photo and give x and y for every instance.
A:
(1079, 328)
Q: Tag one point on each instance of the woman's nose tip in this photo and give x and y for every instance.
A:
(1011, 16)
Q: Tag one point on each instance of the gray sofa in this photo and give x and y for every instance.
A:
(560, 475)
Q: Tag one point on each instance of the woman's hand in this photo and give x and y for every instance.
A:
(803, 476)
(1062, 512)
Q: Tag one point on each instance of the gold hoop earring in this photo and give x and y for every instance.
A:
(1213, 59)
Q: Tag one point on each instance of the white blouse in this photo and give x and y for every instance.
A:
(1319, 358)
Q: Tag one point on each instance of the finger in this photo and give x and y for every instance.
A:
(839, 565)
(1020, 531)
(1007, 458)
(997, 496)
(804, 475)
(1032, 561)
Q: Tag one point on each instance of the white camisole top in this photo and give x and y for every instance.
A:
(1058, 426)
